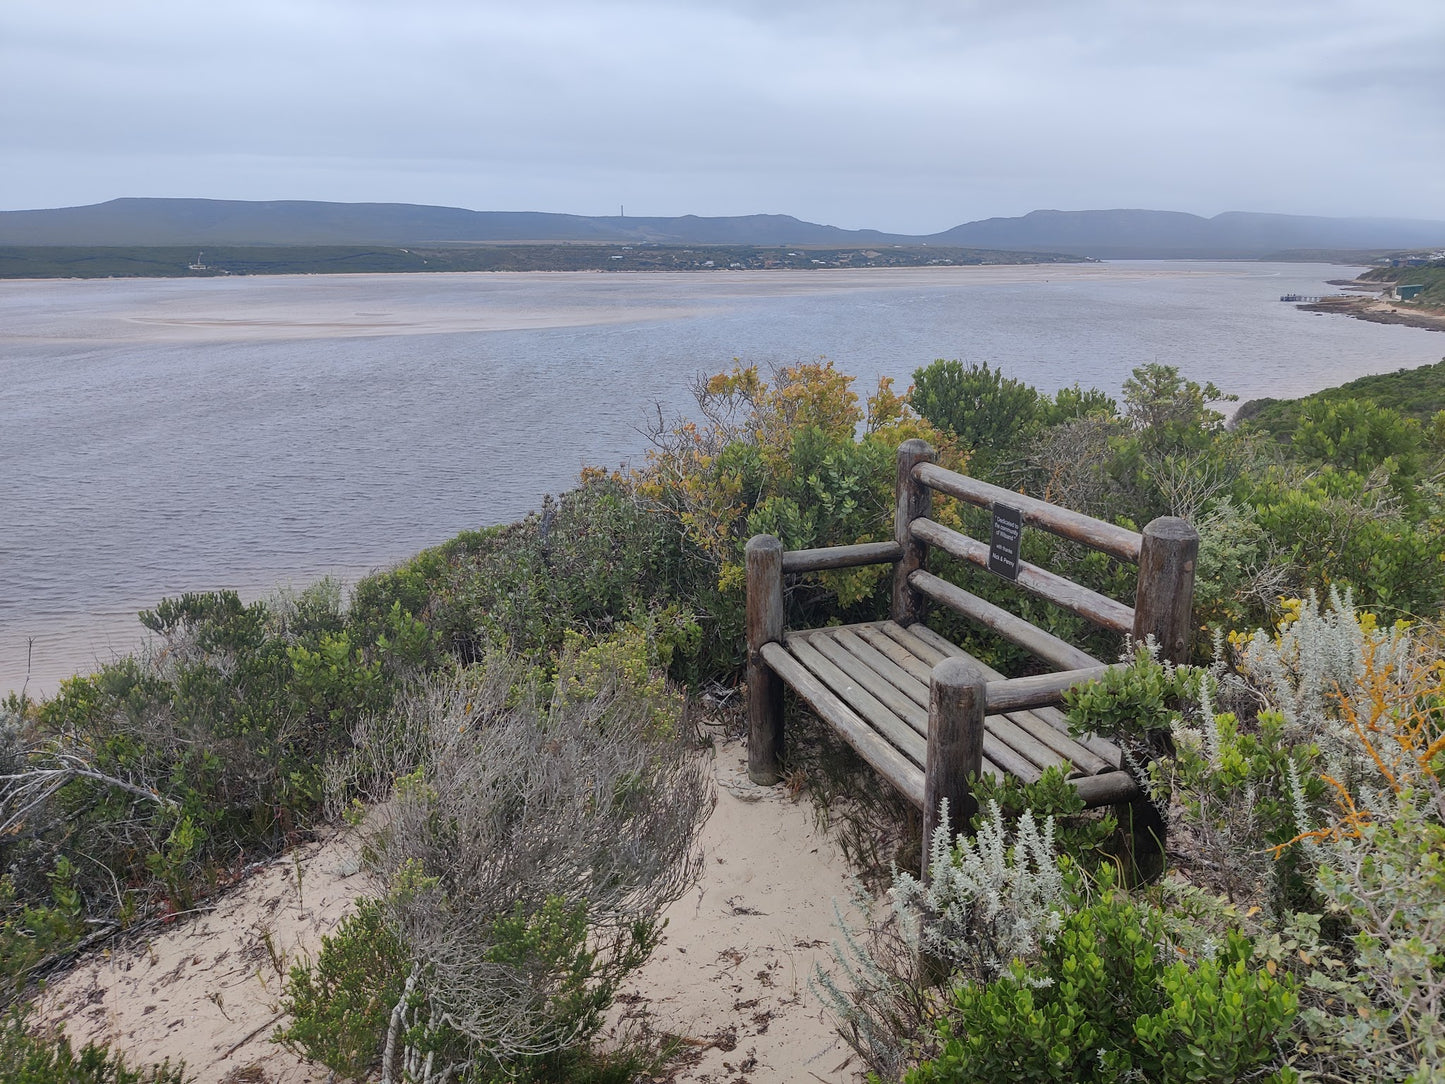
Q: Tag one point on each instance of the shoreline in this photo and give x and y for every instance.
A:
(1370, 304)
(1045, 262)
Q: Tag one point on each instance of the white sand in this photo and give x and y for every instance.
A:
(730, 977)
(207, 991)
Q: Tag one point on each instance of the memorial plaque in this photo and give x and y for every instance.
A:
(1003, 549)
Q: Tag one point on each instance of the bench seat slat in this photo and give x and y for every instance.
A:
(1084, 759)
(1102, 747)
(1006, 744)
(901, 670)
(876, 638)
(897, 732)
(905, 776)
(997, 727)
(929, 654)
(870, 682)
(906, 683)
(876, 685)
(1026, 745)
(1103, 755)
(1007, 757)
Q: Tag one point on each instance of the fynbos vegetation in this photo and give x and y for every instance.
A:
(509, 712)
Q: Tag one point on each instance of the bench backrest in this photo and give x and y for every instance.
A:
(1165, 553)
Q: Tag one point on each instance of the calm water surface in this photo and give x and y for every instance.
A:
(159, 436)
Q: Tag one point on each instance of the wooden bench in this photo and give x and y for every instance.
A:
(920, 709)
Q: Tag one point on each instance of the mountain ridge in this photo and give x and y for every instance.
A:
(1104, 234)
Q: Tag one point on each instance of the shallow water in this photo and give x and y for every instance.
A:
(159, 436)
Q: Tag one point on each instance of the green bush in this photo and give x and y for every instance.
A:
(1340, 528)
(988, 412)
(339, 1004)
(589, 560)
(1139, 703)
(1107, 1001)
(32, 1059)
(1080, 836)
(162, 770)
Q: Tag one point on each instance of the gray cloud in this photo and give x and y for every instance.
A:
(911, 115)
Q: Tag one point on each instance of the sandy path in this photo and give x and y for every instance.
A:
(730, 977)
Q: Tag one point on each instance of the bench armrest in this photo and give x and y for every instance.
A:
(864, 553)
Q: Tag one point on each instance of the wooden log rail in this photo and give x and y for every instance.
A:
(1100, 609)
(920, 710)
(1118, 541)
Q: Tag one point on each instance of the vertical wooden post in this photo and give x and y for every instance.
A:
(1164, 602)
(765, 689)
(911, 500)
(1164, 609)
(957, 701)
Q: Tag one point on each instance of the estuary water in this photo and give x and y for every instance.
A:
(168, 435)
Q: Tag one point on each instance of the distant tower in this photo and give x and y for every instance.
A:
(621, 211)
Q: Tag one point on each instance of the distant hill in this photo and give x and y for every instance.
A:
(1136, 234)
(1117, 234)
(300, 222)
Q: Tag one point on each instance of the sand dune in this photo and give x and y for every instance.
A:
(730, 976)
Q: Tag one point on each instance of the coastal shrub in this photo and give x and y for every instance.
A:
(1171, 412)
(339, 1004)
(538, 822)
(1136, 703)
(1241, 574)
(1313, 808)
(1358, 435)
(986, 411)
(983, 902)
(27, 1058)
(1108, 999)
(1236, 781)
(151, 777)
(1074, 403)
(1084, 837)
(1371, 833)
(1417, 393)
(1344, 528)
(797, 457)
(987, 900)
(1049, 976)
(37, 932)
(1300, 929)
(591, 559)
(1068, 463)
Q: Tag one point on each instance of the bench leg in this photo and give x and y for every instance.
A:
(957, 700)
(1144, 833)
(765, 689)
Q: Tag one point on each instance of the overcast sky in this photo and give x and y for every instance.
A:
(903, 115)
